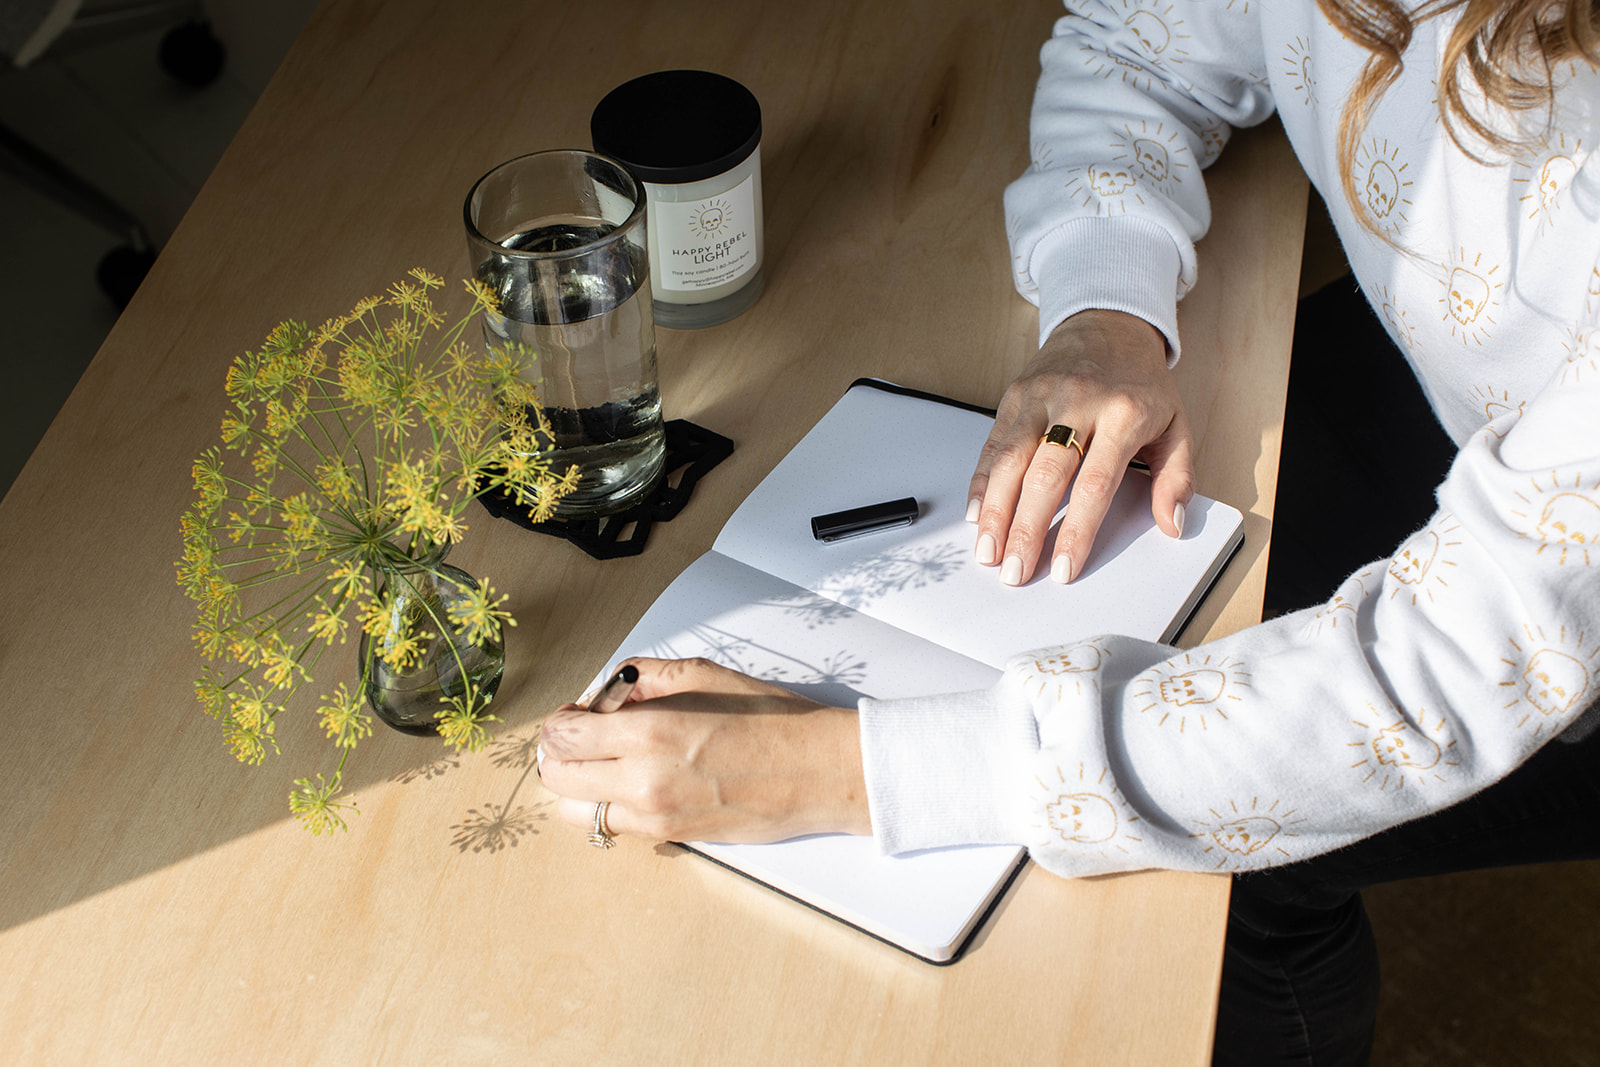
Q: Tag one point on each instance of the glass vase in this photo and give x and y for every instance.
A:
(418, 596)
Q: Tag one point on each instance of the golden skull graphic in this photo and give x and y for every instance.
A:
(1151, 33)
(1415, 558)
(1553, 177)
(1152, 159)
(1246, 835)
(1468, 296)
(1084, 818)
(1079, 659)
(1570, 519)
(1383, 189)
(1399, 745)
(1193, 687)
(1107, 180)
(1555, 682)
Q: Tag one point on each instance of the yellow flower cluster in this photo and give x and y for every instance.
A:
(359, 446)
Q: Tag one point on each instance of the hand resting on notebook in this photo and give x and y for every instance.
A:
(703, 753)
(1103, 373)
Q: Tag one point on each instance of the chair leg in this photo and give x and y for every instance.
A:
(47, 175)
(124, 267)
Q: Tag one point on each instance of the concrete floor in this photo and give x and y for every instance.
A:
(1490, 969)
(1493, 968)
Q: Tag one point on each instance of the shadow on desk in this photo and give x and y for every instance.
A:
(173, 795)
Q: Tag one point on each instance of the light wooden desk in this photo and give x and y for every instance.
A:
(156, 903)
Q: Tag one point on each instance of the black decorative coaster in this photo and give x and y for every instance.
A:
(691, 449)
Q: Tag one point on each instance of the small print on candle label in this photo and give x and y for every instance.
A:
(706, 243)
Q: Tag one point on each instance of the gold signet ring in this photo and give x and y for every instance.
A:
(1065, 436)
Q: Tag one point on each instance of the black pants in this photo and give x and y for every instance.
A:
(1300, 974)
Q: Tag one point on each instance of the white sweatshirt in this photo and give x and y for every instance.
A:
(1426, 677)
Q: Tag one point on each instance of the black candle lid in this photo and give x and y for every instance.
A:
(677, 126)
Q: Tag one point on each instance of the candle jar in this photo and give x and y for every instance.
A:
(693, 139)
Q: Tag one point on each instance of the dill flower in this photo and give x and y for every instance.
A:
(478, 616)
(461, 723)
(347, 458)
(320, 807)
(342, 719)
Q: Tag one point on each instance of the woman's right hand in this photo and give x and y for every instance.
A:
(1103, 373)
(704, 753)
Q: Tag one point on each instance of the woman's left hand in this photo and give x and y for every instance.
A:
(703, 753)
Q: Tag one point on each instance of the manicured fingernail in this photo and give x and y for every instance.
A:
(973, 507)
(1177, 518)
(1061, 570)
(987, 550)
(1011, 571)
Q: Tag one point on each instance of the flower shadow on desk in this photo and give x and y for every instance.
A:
(495, 827)
(434, 768)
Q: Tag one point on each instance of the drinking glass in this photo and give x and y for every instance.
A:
(560, 238)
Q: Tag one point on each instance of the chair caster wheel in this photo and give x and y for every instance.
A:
(120, 272)
(192, 54)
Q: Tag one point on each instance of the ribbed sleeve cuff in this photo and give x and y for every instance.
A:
(1127, 264)
(944, 770)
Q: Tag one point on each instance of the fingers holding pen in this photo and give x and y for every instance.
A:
(590, 731)
(587, 759)
(705, 753)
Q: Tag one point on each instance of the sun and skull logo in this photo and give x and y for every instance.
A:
(710, 219)
(1425, 563)
(1548, 679)
(1471, 297)
(1188, 691)
(1396, 748)
(1084, 811)
(1240, 837)
(1564, 519)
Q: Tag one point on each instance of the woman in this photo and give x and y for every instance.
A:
(1453, 145)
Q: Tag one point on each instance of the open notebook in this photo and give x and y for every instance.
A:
(901, 613)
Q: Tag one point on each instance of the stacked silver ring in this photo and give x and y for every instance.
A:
(600, 836)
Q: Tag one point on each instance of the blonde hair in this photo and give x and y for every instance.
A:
(1508, 48)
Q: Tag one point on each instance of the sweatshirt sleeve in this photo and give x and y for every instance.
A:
(1427, 677)
(1134, 99)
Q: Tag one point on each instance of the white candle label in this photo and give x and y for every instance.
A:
(702, 244)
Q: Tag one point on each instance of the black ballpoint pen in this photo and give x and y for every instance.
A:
(616, 692)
